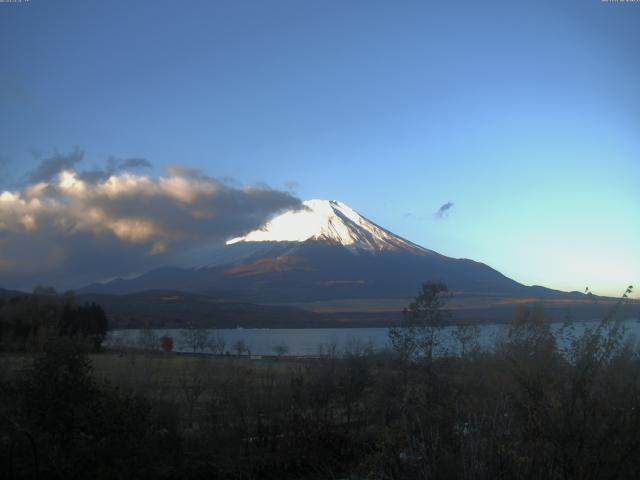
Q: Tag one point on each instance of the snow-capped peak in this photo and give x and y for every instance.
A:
(330, 221)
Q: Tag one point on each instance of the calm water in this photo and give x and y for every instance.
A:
(312, 341)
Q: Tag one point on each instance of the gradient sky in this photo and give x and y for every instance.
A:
(524, 115)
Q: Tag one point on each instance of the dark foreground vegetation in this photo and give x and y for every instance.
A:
(28, 322)
(526, 410)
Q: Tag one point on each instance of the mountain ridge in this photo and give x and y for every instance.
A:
(324, 251)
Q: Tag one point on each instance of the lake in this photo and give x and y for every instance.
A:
(314, 341)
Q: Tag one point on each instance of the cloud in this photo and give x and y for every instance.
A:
(114, 165)
(51, 166)
(70, 228)
(443, 211)
(133, 163)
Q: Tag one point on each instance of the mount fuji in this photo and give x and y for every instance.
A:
(325, 251)
(332, 222)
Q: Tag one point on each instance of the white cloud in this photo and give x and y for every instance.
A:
(106, 225)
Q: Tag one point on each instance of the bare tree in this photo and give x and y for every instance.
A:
(281, 349)
(329, 349)
(241, 347)
(194, 338)
(148, 339)
(216, 343)
(467, 335)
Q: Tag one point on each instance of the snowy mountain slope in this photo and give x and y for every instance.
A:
(325, 251)
(333, 222)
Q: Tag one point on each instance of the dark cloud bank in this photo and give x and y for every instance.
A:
(68, 227)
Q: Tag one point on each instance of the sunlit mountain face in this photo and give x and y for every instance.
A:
(324, 251)
(332, 222)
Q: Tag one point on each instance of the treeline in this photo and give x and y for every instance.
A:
(527, 409)
(29, 321)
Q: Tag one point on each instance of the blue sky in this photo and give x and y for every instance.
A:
(525, 115)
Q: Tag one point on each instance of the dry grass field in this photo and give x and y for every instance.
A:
(186, 381)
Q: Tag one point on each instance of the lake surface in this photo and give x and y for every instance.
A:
(314, 341)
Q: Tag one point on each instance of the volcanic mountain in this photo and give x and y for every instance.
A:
(324, 251)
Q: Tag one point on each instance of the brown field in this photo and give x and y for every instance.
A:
(180, 379)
